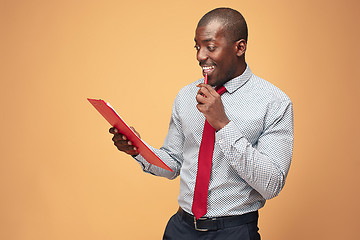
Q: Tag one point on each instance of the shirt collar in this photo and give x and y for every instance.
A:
(235, 83)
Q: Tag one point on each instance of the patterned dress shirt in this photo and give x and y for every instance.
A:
(252, 153)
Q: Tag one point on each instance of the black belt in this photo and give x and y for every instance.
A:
(216, 223)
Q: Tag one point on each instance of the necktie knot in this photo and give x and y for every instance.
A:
(220, 89)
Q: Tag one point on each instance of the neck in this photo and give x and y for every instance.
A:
(242, 68)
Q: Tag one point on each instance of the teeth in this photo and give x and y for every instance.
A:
(208, 68)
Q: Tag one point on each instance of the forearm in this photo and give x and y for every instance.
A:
(263, 168)
(167, 158)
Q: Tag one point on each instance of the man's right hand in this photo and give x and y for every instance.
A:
(122, 143)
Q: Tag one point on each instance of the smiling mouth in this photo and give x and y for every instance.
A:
(207, 69)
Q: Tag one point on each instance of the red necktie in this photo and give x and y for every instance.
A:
(199, 206)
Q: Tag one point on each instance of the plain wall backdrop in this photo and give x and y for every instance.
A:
(62, 178)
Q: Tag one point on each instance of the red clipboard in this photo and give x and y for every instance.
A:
(115, 120)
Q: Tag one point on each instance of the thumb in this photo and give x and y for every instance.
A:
(132, 128)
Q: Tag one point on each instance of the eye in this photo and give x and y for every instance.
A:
(211, 48)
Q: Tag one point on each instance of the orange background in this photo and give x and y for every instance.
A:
(60, 175)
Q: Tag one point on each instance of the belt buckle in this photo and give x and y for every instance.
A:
(200, 229)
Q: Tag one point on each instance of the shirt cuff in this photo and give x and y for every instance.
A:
(227, 137)
(143, 163)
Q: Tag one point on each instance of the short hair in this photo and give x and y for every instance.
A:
(233, 22)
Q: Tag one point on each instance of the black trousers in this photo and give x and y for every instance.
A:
(178, 229)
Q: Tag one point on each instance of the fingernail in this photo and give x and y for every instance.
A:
(129, 142)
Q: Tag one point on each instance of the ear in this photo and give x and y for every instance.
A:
(240, 47)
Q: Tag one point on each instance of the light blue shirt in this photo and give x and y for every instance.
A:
(252, 153)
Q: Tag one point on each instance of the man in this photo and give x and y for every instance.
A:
(252, 122)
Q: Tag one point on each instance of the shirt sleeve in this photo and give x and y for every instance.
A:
(171, 153)
(265, 165)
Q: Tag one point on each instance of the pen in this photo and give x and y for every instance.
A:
(206, 79)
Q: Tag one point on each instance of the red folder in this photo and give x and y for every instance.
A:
(115, 120)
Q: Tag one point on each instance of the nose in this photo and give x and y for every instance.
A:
(201, 55)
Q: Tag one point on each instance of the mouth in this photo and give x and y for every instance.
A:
(207, 69)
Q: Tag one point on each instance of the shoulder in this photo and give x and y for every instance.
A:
(266, 89)
(278, 103)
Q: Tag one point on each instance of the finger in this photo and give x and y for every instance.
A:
(124, 147)
(201, 93)
(113, 130)
(203, 108)
(199, 107)
(201, 99)
(124, 144)
(118, 137)
(207, 90)
(121, 142)
(204, 96)
(207, 86)
(133, 153)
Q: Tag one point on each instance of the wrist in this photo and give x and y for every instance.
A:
(222, 124)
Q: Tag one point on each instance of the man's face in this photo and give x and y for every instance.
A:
(216, 55)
